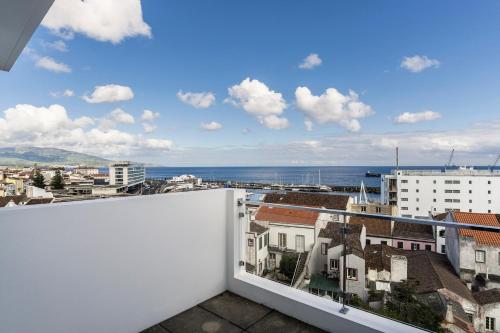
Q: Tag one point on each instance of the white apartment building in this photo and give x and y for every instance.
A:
(422, 193)
(126, 174)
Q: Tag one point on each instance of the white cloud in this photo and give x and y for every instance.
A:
(201, 100)
(257, 99)
(246, 130)
(65, 93)
(311, 61)
(411, 118)
(308, 124)
(211, 126)
(28, 125)
(58, 45)
(149, 115)
(110, 93)
(332, 107)
(418, 63)
(51, 65)
(148, 128)
(475, 144)
(120, 116)
(103, 20)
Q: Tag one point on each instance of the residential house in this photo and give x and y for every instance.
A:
(384, 265)
(490, 309)
(257, 241)
(434, 275)
(290, 230)
(13, 200)
(327, 256)
(413, 236)
(374, 207)
(475, 254)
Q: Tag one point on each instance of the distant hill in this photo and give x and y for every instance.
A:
(28, 156)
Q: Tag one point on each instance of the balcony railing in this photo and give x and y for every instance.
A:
(125, 264)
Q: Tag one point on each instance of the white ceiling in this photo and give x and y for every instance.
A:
(18, 21)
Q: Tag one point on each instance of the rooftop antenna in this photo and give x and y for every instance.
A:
(363, 199)
(495, 163)
(450, 159)
(397, 158)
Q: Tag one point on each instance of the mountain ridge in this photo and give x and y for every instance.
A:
(28, 156)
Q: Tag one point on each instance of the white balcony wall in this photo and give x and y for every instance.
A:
(114, 265)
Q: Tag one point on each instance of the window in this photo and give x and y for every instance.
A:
(480, 256)
(281, 240)
(250, 242)
(404, 181)
(418, 181)
(417, 209)
(470, 191)
(418, 199)
(266, 239)
(470, 317)
(428, 247)
(260, 243)
(363, 208)
(470, 200)
(378, 210)
(499, 258)
(456, 182)
(489, 192)
(407, 215)
(434, 181)
(490, 323)
(470, 210)
(404, 190)
(443, 249)
(434, 200)
(470, 182)
(400, 245)
(404, 208)
(368, 242)
(489, 211)
(417, 190)
(441, 233)
(404, 199)
(415, 246)
(434, 191)
(489, 182)
(324, 248)
(489, 201)
(334, 264)
(383, 242)
(448, 182)
(352, 273)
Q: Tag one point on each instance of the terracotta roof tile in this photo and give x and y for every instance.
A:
(257, 228)
(374, 226)
(283, 215)
(488, 296)
(309, 199)
(481, 237)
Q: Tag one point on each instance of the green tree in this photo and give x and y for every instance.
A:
(403, 304)
(287, 264)
(38, 179)
(57, 181)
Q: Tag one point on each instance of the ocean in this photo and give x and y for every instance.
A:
(330, 175)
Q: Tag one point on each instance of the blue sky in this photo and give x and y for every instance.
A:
(163, 47)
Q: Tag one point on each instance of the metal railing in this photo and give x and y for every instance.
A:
(448, 223)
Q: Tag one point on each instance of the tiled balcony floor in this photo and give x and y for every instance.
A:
(228, 312)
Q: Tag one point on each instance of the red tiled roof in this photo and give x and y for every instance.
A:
(283, 215)
(481, 237)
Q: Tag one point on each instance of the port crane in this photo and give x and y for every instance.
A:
(450, 159)
(492, 167)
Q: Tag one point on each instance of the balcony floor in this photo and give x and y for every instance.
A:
(229, 312)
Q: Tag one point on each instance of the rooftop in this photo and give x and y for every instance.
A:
(481, 237)
(487, 296)
(284, 215)
(374, 226)
(257, 228)
(309, 199)
(378, 256)
(413, 231)
(229, 312)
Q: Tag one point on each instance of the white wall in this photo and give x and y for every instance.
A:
(113, 265)
(291, 231)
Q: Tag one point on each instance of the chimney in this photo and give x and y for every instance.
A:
(449, 313)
